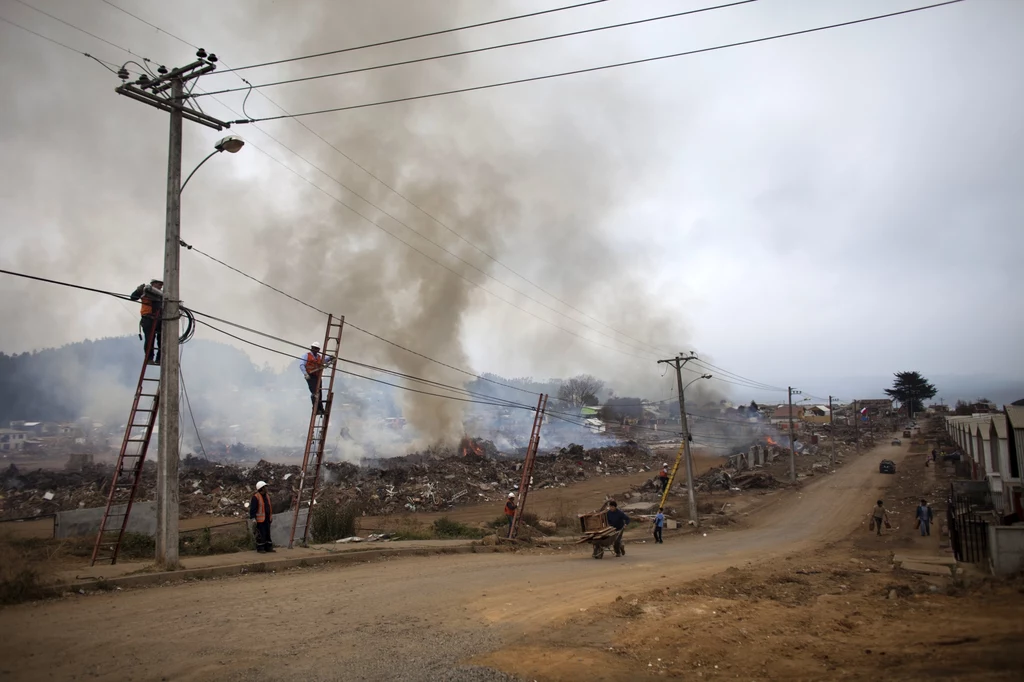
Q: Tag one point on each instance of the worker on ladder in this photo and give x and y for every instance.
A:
(312, 364)
(152, 298)
(663, 477)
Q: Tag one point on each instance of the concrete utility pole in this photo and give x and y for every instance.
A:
(832, 431)
(792, 436)
(166, 91)
(856, 427)
(678, 363)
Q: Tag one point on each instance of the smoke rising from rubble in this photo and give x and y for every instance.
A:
(526, 184)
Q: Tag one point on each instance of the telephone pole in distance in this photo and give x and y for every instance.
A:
(792, 436)
(678, 363)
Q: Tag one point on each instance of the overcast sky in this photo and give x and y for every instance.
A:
(841, 204)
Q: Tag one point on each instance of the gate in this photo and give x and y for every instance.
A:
(968, 530)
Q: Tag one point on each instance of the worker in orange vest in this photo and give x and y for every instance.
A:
(152, 298)
(663, 477)
(261, 513)
(312, 364)
(510, 511)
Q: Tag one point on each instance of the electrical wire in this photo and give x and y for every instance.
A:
(407, 200)
(402, 40)
(603, 67)
(188, 404)
(462, 53)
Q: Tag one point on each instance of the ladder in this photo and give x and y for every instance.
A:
(316, 438)
(128, 473)
(531, 459)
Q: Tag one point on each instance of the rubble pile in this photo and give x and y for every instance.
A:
(432, 481)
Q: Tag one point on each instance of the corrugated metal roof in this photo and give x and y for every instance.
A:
(999, 421)
(1016, 416)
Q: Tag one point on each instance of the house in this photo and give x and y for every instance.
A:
(988, 445)
(1015, 453)
(817, 414)
(782, 413)
(875, 406)
(12, 439)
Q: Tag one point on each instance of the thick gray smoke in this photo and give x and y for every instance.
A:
(533, 182)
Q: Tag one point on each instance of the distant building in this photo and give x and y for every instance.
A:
(782, 412)
(12, 440)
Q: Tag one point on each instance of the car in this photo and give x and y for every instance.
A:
(887, 466)
(897, 441)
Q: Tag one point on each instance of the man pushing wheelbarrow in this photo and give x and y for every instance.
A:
(604, 529)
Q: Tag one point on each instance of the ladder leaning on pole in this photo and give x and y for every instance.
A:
(528, 462)
(313, 457)
(128, 472)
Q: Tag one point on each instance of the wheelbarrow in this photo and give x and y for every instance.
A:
(601, 540)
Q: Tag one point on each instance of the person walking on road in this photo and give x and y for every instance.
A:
(663, 477)
(261, 513)
(510, 512)
(879, 517)
(924, 518)
(617, 520)
(312, 364)
(659, 525)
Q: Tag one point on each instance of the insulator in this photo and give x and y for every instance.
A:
(212, 58)
(201, 53)
(162, 70)
(122, 73)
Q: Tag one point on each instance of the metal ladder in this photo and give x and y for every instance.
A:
(128, 473)
(316, 438)
(528, 462)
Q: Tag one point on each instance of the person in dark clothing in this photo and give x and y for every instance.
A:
(659, 525)
(617, 520)
(312, 365)
(924, 518)
(261, 513)
(151, 297)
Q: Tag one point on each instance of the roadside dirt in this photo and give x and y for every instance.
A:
(551, 613)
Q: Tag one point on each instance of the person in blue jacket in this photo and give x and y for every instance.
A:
(659, 524)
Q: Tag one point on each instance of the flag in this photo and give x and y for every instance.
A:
(864, 411)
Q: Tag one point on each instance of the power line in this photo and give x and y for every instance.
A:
(462, 53)
(415, 37)
(188, 404)
(736, 378)
(604, 67)
(110, 66)
(138, 18)
(410, 202)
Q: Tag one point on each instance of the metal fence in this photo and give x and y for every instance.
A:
(968, 530)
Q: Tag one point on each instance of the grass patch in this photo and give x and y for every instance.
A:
(21, 586)
(333, 521)
(445, 528)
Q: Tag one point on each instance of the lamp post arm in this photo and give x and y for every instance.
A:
(215, 151)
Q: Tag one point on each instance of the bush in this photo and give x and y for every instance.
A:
(137, 546)
(22, 586)
(446, 528)
(332, 521)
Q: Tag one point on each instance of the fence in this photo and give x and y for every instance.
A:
(968, 529)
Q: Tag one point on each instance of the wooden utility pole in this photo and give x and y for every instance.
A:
(832, 431)
(166, 91)
(856, 427)
(678, 363)
(792, 436)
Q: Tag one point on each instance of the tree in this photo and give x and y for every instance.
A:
(617, 409)
(580, 390)
(911, 389)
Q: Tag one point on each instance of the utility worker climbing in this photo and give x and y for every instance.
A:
(261, 512)
(510, 511)
(152, 298)
(663, 477)
(312, 364)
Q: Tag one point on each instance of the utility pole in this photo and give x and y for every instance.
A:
(678, 363)
(166, 91)
(856, 427)
(792, 437)
(832, 431)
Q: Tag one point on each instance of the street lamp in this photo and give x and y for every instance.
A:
(230, 144)
(169, 449)
(686, 447)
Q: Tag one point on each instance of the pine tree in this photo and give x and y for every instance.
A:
(911, 389)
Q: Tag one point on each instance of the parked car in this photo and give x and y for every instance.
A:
(897, 441)
(887, 467)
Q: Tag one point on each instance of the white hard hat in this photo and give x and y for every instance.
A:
(511, 494)
(315, 344)
(261, 485)
(664, 464)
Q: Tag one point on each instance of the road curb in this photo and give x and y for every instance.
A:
(256, 567)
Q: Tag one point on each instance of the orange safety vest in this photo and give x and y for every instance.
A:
(663, 473)
(510, 509)
(314, 363)
(263, 510)
(149, 306)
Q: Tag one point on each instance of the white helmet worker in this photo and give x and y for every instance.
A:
(664, 464)
(511, 494)
(261, 485)
(315, 344)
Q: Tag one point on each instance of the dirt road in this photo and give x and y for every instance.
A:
(410, 619)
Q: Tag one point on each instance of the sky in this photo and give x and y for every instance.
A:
(815, 211)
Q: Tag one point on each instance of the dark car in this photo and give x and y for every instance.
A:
(887, 467)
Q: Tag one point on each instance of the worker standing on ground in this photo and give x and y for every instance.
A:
(659, 525)
(924, 518)
(152, 298)
(510, 511)
(618, 521)
(663, 477)
(260, 511)
(879, 517)
(312, 364)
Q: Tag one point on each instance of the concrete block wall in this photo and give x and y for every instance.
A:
(80, 522)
